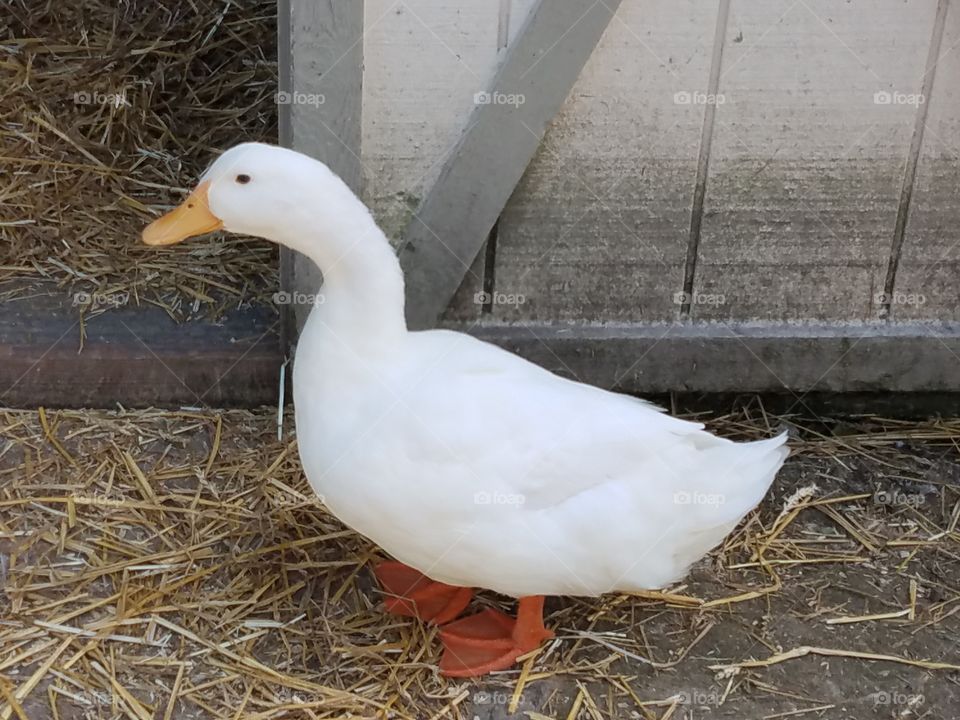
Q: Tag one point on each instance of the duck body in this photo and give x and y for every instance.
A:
(470, 465)
(481, 469)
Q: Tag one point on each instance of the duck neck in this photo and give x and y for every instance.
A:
(361, 301)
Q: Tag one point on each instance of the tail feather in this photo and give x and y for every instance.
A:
(733, 481)
(753, 474)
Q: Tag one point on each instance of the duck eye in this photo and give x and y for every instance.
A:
(243, 179)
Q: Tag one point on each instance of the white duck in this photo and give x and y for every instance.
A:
(470, 465)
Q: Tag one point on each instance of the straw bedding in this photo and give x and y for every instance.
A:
(177, 565)
(109, 112)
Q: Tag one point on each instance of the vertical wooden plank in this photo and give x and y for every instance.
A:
(597, 229)
(503, 133)
(472, 299)
(424, 62)
(927, 283)
(288, 320)
(324, 102)
(913, 160)
(703, 158)
(451, 222)
(809, 151)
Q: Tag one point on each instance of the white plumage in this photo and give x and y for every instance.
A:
(480, 469)
(458, 458)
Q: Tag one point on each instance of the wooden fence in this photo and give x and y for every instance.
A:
(701, 195)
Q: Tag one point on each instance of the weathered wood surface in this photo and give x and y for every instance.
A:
(802, 188)
(424, 62)
(598, 228)
(744, 357)
(321, 110)
(135, 356)
(502, 134)
(805, 175)
(928, 277)
(807, 166)
(288, 320)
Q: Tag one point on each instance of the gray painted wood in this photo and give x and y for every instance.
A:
(927, 282)
(744, 357)
(597, 229)
(284, 138)
(424, 61)
(805, 177)
(703, 158)
(322, 104)
(446, 232)
(467, 303)
(806, 171)
(135, 355)
(925, 87)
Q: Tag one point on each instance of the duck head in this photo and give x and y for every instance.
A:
(296, 201)
(268, 192)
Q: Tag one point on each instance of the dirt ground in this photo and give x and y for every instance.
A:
(175, 565)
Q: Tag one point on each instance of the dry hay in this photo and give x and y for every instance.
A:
(109, 111)
(176, 565)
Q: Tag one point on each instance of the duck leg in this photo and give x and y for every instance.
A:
(490, 640)
(410, 593)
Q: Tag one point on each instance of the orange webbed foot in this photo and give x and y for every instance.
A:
(410, 593)
(491, 641)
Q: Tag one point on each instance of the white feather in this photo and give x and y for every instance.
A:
(468, 463)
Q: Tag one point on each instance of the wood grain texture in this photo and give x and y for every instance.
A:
(503, 133)
(927, 284)
(598, 227)
(323, 107)
(466, 303)
(135, 356)
(424, 62)
(761, 357)
(807, 166)
(288, 319)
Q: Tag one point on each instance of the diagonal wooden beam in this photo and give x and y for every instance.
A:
(502, 136)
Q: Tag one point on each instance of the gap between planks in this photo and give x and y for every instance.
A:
(703, 160)
(913, 156)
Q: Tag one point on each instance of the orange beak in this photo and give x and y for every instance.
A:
(191, 217)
